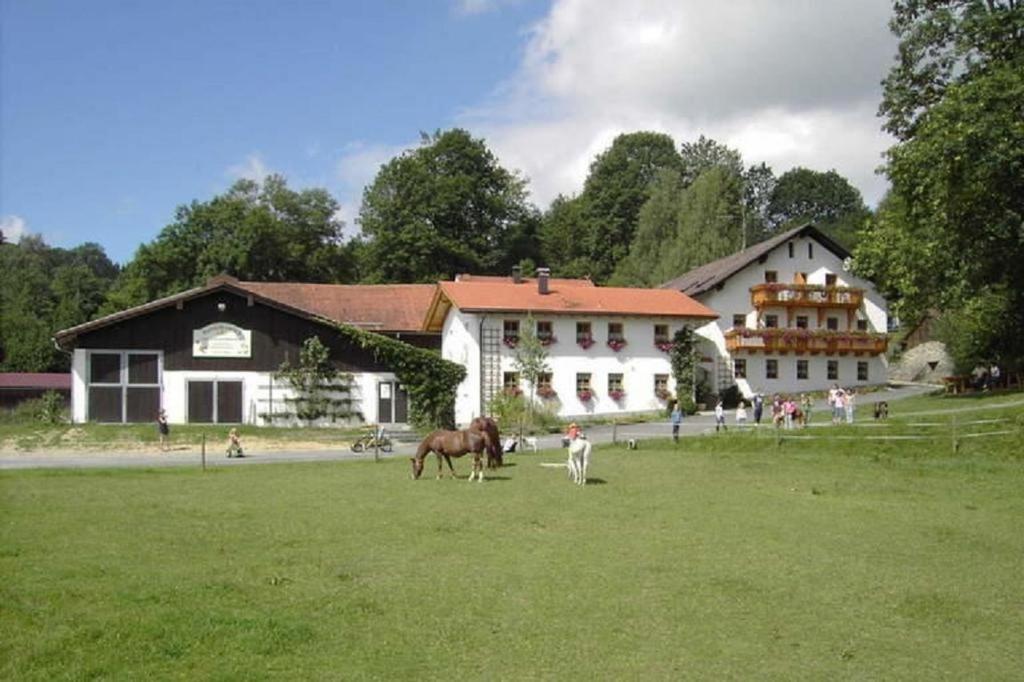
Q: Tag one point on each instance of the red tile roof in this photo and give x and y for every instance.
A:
(504, 296)
(49, 381)
(379, 307)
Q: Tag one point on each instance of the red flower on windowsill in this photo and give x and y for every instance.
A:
(616, 344)
(547, 340)
(546, 393)
(662, 393)
(664, 346)
(585, 395)
(511, 341)
(585, 342)
(616, 394)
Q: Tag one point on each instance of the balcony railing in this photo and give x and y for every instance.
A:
(800, 341)
(805, 296)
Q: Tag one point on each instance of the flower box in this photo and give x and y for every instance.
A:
(546, 393)
(664, 346)
(585, 342)
(547, 340)
(663, 394)
(585, 395)
(511, 341)
(616, 344)
(616, 394)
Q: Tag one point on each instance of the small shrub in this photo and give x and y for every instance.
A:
(48, 409)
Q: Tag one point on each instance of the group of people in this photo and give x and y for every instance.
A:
(841, 401)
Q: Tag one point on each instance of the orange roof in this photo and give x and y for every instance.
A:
(484, 295)
(379, 307)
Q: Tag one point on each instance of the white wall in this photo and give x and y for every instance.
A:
(638, 362)
(258, 389)
(734, 298)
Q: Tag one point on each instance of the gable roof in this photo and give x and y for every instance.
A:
(384, 308)
(380, 307)
(578, 297)
(710, 275)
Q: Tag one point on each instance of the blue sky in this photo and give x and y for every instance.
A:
(114, 112)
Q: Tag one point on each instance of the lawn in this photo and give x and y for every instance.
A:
(727, 557)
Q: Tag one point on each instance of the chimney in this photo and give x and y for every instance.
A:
(517, 274)
(542, 280)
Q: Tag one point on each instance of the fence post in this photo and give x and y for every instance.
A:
(376, 443)
(956, 445)
(203, 451)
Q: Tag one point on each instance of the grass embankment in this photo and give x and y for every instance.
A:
(727, 557)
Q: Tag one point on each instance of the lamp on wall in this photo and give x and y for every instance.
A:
(222, 306)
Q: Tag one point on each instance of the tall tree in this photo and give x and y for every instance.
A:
(563, 229)
(758, 186)
(827, 199)
(705, 154)
(656, 234)
(255, 231)
(710, 222)
(955, 102)
(42, 290)
(443, 208)
(616, 189)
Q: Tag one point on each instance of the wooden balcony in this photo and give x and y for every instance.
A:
(805, 296)
(775, 341)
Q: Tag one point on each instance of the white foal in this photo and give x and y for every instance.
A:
(579, 460)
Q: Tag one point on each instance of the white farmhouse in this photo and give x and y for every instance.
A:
(607, 347)
(791, 317)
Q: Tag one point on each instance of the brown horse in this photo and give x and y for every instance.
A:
(488, 428)
(448, 444)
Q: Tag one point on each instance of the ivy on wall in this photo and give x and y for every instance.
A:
(429, 379)
(683, 357)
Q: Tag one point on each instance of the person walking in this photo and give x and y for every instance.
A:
(164, 429)
(720, 417)
(677, 419)
(758, 408)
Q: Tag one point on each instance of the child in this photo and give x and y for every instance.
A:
(164, 429)
(720, 417)
(805, 405)
(789, 409)
(234, 444)
(677, 419)
(741, 414)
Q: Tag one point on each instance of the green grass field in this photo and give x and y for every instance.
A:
(727, 557)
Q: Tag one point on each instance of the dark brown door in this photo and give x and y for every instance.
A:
(385, 401)
(229, 402)
(200, 402)
(401, 405)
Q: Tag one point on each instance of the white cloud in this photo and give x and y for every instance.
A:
(14, 228)
(252, 168)
(790, 82)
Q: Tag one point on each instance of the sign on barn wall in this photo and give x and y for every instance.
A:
(221, 340)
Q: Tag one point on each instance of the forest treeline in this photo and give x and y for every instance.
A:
(949, 236)
(649, 210)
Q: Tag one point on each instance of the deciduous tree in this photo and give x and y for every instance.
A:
(443, 208)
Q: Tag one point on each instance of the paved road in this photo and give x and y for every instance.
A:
(692, 426)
